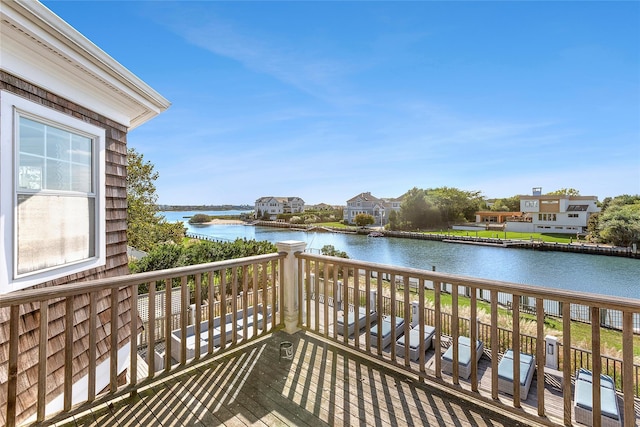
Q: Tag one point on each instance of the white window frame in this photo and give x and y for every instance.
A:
(11, 107)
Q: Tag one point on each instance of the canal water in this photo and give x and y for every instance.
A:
(599, 274)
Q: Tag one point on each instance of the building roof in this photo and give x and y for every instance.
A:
(278, 199)
(367, 197)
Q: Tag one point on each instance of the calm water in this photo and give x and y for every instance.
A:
(585, 273)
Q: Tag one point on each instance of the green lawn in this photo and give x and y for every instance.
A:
(546, 237)
(334, 224)
(580, 332)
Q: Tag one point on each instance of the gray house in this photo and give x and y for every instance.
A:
(365, 203)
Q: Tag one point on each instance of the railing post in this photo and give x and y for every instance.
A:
(290, 283)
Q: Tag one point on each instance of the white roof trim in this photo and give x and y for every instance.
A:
(41, 48)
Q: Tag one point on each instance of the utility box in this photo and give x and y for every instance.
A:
(551, 352)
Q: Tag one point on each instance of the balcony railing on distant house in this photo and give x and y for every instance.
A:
(233, 302)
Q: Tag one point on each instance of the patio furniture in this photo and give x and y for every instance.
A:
(413, 340)
(384, 329)
(351, 320)
(229, 319)
(505, 373)
(583, 399)
(464, 357)
(254, 317)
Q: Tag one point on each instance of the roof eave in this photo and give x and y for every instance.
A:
(118, 93)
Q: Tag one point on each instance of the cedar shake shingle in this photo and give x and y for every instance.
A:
(117, 264)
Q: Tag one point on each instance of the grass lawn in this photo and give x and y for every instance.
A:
(332, 224)
(580, 332)
(545, 237)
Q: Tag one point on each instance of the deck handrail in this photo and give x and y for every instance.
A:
(340, 272)
(78, 306)
(63, 291)
(535, 291)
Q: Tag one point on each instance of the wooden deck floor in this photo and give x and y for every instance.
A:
(553, 392)
(321, 385)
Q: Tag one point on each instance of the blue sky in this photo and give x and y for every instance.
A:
(324, 100)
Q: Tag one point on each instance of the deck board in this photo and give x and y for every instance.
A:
(322, 385)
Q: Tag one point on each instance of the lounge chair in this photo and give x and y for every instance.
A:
(583, 398)
(464, 357)
(351, 320)
(505, 373)
(414, 341)
(384, 329)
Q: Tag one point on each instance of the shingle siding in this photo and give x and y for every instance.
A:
(116, 265)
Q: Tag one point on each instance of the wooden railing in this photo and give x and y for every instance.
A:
(297, 289)
(237, 279)
(174, 319)
(338, 278)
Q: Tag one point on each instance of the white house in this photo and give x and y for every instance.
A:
(272, 206)
(365, 203)
(554, 213)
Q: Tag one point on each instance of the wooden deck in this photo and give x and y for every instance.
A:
(322, 385)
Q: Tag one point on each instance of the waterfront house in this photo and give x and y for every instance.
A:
(66, 109)
(273, 206)
(365, 203)
(558, 213)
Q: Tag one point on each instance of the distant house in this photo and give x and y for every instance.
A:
(272, 206)
(66, 109)
(321, 207)
(365, 203)
(554, 213)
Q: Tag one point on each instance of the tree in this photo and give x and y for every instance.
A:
(145, 228)
(199, 219)
(619, 224)
(330, 250)
(362, 220)
(454, 204)
(418, 210)
(393, 220)
(565, 192)
(509, 204)
(169, 255)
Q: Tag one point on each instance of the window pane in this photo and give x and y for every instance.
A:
(54, 231)
(31, 137)
(80, 149)
(57, 177)
(81, 178)
(30, 172)
(54, 159)
(57, 144)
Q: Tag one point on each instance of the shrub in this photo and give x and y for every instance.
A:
(199, 219)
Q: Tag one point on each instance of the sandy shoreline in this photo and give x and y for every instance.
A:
(224, 221)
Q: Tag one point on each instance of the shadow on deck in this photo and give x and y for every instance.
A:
(322, 385)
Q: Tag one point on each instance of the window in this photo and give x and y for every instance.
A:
(547, 217)
(52, 194)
